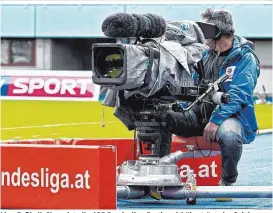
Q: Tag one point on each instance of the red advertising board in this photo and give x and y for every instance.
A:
(52, 86)
(206, 162)
(43, 174)
(207, 168)
(48, 85)
(58, 177)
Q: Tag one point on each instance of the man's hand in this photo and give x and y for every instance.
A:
(210, 132)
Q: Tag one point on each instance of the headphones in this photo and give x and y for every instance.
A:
(219, 35)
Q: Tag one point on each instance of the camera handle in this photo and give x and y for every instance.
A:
(212, 87)
(217, 97)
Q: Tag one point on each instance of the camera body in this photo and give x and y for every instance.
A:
(135, 68)
(133, 71)
(148, 78)
(145, 80)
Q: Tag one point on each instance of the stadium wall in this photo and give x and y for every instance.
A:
(60, 37)
(263, 49)
(50, 21)
(63, 56)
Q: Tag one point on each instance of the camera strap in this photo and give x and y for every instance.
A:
(150, 62)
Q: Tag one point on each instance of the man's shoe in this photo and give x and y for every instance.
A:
(223, 183)
(156, 195)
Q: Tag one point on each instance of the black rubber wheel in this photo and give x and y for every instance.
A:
(191, 202)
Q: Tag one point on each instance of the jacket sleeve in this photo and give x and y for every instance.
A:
(241, 89)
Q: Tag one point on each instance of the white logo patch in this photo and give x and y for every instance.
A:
(230, 72)
(185, 26)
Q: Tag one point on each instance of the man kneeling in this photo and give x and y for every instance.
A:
(230, 125)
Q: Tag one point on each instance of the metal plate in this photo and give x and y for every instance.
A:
(139, 174)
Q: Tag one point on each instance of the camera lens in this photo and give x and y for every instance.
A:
(109, 62)
(113, 65)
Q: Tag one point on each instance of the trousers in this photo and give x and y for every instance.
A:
(230, 136)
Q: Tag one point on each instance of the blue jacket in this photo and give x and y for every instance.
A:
(243, 67)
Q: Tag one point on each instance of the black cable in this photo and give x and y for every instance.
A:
(200, 149)
(134, 144)
(196, 137)
(208, 102)
(193, 124)
(129, 151)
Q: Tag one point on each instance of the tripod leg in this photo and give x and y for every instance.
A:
(164, 142)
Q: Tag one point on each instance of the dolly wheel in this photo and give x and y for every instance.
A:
(191, 202)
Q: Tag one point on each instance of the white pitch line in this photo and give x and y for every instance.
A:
(55, 125)
(265, 131)
(252, 150)
(268, 166)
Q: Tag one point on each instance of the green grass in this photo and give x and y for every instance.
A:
(37, 113)
(40, 113)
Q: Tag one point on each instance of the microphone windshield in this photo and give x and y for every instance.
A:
(135, 25)
(120, 25)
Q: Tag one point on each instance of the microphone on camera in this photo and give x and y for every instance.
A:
(134, 25)
(119, 25)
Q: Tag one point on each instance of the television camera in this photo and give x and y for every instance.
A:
(147, 79)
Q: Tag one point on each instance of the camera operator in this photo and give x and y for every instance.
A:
(230, 125)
